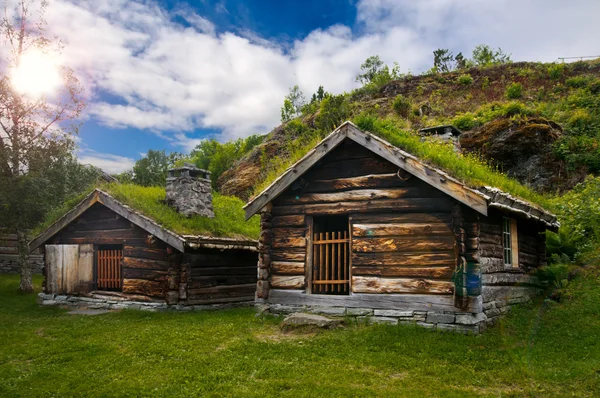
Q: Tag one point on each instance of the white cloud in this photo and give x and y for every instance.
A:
(111, 164)
(171, 79)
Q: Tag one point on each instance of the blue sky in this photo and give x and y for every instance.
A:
(165, 74)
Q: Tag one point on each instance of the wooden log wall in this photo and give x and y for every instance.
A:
(402, 234)
(218, 276)
(146, 263)
(502, 284)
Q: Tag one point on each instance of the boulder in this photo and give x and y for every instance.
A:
(300, 319)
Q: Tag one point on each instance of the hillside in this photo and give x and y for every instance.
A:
(537, 123)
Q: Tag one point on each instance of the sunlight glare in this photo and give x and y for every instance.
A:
(37, 75)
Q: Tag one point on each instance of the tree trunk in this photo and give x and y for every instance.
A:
(24, 266)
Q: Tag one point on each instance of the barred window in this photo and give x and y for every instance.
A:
(510, 242)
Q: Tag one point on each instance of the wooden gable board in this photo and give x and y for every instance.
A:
(440, 180)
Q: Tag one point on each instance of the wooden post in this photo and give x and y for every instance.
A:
(308, 265)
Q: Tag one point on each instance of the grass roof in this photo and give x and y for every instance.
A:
(228, 221)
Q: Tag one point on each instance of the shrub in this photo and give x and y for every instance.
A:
(581, 121)
(555, 71)
(485, 83)
(514, 91)
(465, 80)
(594, 87)
(402, 105)
(464, 121)
(577, 81)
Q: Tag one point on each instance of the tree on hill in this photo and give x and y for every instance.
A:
(36, 125)
(151, 170)
(292, 104)
(484, 55)
(375, 71)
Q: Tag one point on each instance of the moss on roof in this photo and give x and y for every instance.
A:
(228, 221)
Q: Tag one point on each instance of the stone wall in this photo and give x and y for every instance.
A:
(461, 322)
(189, 191)
(100, 301)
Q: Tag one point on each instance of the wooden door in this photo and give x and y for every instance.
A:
(62, 268)
(109, 263)
(330, 262)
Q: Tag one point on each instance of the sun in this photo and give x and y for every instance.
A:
(36, 76)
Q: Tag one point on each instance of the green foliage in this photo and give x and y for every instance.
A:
(376, 73)
(485, 83)
(464, 121)
(151, 170)
(293, 103)
(401, 105)
(217, 158)
(484, 55)
(333, 111)
(465, 79)
(514, 91)
(577, 81)
(579, 212)
(594, 87)
(555, 71)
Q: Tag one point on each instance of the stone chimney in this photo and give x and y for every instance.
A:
(189, 191)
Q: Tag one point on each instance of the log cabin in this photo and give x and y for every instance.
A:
(106, 254)
(358, 227)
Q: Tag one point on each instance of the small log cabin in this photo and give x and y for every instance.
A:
(360, 227)
(104, 254)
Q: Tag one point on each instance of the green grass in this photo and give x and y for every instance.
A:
(228, 220)
(551, 350)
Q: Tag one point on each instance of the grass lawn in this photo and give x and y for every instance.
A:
(549, 350)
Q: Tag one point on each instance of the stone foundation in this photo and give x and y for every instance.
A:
(9, 264)
(98, 301)
(468, 323)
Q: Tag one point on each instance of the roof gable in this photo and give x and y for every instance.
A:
(475, 199)
(98, 196)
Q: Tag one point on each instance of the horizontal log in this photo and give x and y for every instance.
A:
(369, 284)
(471, 243)
(198, 282)
(494, 239)
(403, 271)
(207, 271)
(225, 290)
(493, 229)
(493, 293)
(409, 244)
(130, 262)
(402, 218)
(8, 250)
(509, 279)
(216, 258)
(293, 254)
(287, 267)
(123, 233)
(417, 205)
(472, 229)
(416, 302)
(66, 240)
(366, 181)
(222, 300)
(105, 224)
(279, 233)
(289, 242)
(145, 287)
(447, 258)
(405, 229)
(287, 282)
(351, 168)
(149, 253)
(355, 195)
(147, 274)
(288, 221)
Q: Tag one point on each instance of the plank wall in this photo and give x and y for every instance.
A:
(402, 233)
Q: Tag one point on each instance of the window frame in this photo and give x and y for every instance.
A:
(510, 242)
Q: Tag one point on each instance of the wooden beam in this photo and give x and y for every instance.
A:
(371, 284)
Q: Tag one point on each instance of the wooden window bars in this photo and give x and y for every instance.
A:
(331, 271)
(109, 269)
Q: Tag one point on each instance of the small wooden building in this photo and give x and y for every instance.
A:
(360, 227)
(104, 254)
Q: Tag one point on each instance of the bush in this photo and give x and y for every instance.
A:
(402, 105)
(581, 121)
(577, 81)
(464, 121)
(555, 71)
(465, 80)
(594, 87)
(514, 91)
(333, 111)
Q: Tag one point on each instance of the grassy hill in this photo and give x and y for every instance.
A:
(558, 103)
